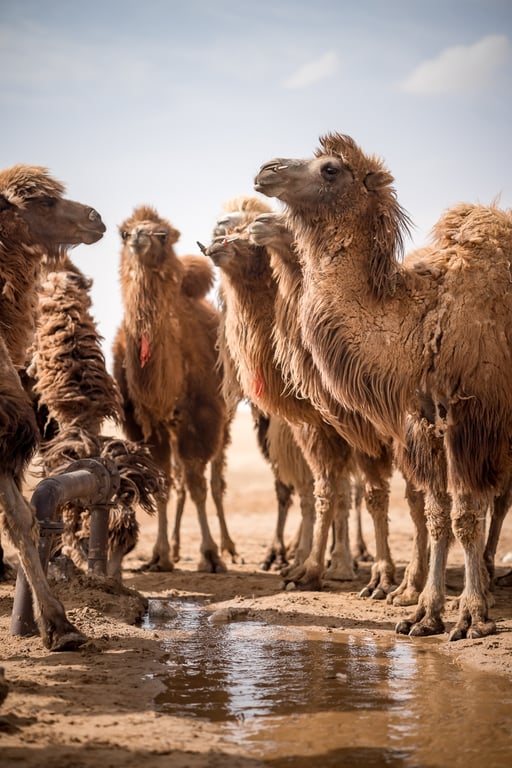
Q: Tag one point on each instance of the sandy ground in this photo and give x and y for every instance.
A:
(95, 706)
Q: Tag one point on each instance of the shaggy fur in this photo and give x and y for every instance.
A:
(398, 342)
(165, 362)
(36, 223)
(372, 453)
(76, 395)
(249, 294)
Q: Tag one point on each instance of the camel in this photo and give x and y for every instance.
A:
(423, 351)
(36, 224)
(248, 291)
(166, 367)
(74, 396)
(372, 452)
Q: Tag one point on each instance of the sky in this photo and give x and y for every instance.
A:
(177, 104)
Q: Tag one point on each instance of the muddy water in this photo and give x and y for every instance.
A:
(288, 696)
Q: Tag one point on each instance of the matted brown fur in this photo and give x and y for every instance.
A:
(36, 223)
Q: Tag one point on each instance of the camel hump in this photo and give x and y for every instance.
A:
(198, 276)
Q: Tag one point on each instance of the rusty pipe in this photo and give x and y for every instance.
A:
(91, 484)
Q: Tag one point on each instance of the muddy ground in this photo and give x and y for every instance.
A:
(95, 707)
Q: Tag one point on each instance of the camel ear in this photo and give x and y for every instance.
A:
(174, 235)
(377, 179)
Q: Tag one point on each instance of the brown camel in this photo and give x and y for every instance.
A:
(422, 351)
(166, 366)
(273, 433)
(372, 453)
(249, 292)
(74, 397)
(36, 224)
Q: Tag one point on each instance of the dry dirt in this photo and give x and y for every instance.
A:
(95, 706)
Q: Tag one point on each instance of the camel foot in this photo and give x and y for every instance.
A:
(421, 624)
(376, 591)
(210, 562)
(68, 640)
(473, 631)
(504, 581)
(304, 579)
(276, 559)
(228, 547)
(407, 596)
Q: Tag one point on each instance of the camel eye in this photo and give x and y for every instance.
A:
(47, 202)
(125, 235)
(330, 171)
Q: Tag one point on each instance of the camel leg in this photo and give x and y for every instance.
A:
(181, 497)
(57, 633)
(308, 575)
(382, 576)
(426, 620)
(276, 553)
(304, 537)
(210, 560)
(500, 508)
(218, 489)
(341, 566)
(473, 621)
(408, 592)
(161, 453)
(360, 550)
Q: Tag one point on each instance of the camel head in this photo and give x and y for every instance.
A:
(339, 187)
(237, 215)
(147, 237)
(33, 207)
(237, 257)
(269, 228)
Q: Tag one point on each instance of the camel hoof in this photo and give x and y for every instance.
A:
(378, 594)
(210, 563)
(70, 641)
(481, 629)
(366, 592)
(403, 599)
(427, 628)
(403, 627)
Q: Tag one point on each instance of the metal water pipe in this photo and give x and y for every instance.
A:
(87, 483)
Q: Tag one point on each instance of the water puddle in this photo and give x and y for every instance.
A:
(306, 698)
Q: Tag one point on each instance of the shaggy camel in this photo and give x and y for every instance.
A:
(273, 433)
(74, 396)
(372, 453)
(249, 292)
(405, 347)
(36, 224)
(166, 366)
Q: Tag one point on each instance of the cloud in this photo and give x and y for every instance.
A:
(461, 68)
(313, 71)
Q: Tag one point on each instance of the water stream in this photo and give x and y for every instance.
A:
(320, 698)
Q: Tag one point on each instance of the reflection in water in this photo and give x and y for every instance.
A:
(318, 698)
